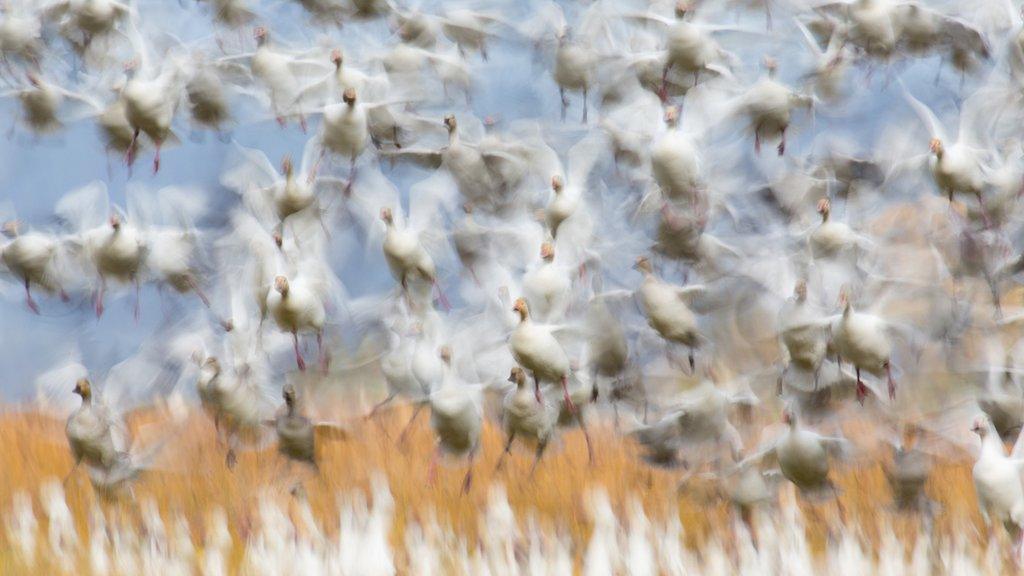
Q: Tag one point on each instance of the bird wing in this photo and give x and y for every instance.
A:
(84, 208)
(927, 117)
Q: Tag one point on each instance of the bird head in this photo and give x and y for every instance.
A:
(446, 354)
(467, 207)
(278, 239)
(789, 416)
(286, 165)
(980, 426)
(557, 183)
(131, 66)
(517, 376)
(11, 228)
(935, 145)
(643, 264)
(386, 215)
(288, 393)
(800, 290)
(349, 96)
(449, 123)
(336, 57)
(83, 388)
(260, 34)
(771, 65)
(547, 251)
(672, 115)
(212, 364)
(520, 307)
(115, 221)
(33, 78)
(844, 301)
(281, 285)
(681, 8)
(824, 206)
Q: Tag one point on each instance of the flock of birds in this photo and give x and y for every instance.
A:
(564, 263)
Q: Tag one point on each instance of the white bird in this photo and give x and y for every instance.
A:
(35, 258)
(113, 248)
(297, 305)
(998, 481)
(456, 418)
(536, 349)
(863, 340)
(96, 437)
(667, 308)
(524, 418)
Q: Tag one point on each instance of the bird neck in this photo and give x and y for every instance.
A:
(825, 215)
(453, 136)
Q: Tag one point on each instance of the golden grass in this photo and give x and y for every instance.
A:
(33, 450)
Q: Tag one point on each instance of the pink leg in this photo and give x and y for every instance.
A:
(757, 139)
(782, 145)
(156, 158)
(325, 357)
(199, 292)
(302, 123)
(99, 297)
(565, 394)
(28, 298)
(536, 388)
(432, 469)
(316, 166)
(351, 176)
(442, 298)
(298, 355)
(663, 91)
(136, 311)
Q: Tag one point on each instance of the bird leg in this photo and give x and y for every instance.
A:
(782, 144)
(508, 448)
(693, 362)
(757, 139)
(584, 105)
(536, 387)
(890, 381)
(129, 154)
(324, 357)
(28, 297)
(156, 158)
(565, 102)
(663, 91)
(541, 446)
(351, 176)
(136, 310)
(565, 395)
(381, 404)
(72, 471)
(432, 468)
(408, 426)
(298, 354)
(442, 298)
(99, 296)
(782, 376)
(984, 210)
(316, 166)
(862, 390)
(199, 291)
(467, 481)
(586, 436)
(302, 122)
(747, 516)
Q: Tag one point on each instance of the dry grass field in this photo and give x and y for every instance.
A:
(34, 449)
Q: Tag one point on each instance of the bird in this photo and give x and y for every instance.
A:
(524, 418)
(455, 418)
(536, 349)
(997, 481)
(96, 437)
(35, 258)
(296, 433)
